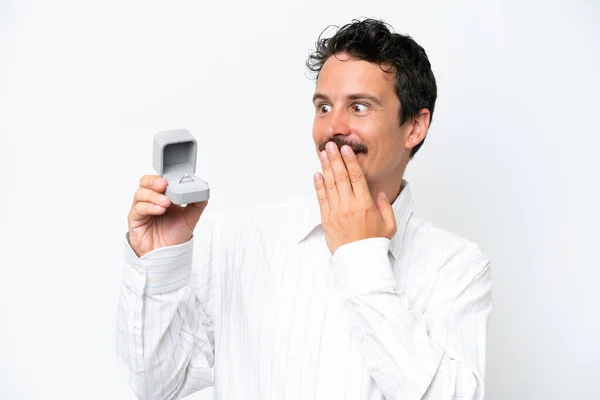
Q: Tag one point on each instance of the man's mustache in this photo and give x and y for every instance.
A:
(357, 148)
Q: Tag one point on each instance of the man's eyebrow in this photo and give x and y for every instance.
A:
(354, 96)
(365, 96)
(320, 96)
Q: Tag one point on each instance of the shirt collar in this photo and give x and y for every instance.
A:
(402, 206)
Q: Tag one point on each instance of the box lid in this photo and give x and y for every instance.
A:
(175, 153)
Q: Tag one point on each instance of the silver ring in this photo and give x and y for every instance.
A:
(186, 178)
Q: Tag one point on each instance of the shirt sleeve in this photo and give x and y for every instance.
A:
(165, 324)
(436, 353)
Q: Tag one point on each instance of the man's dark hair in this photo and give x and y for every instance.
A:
(373, 41)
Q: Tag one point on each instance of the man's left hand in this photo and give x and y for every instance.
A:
(348, 211)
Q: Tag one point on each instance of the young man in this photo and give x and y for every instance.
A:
(344, 295)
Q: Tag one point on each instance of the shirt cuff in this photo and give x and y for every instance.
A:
(160, 270)
(362, 267)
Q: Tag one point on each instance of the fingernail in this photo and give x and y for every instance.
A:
(317, 177)
(345, 149)
(162, 198)
(323, 155)
(330, 146)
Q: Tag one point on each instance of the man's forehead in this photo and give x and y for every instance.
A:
(343, 74)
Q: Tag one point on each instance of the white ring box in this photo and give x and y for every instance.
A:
(174, 157)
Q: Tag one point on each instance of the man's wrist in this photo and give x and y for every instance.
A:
(160, 270)
(362, 267)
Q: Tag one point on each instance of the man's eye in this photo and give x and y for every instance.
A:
(324, 108)
(359, 107)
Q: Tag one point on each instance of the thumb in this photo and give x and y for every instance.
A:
(193, 211)
(387, 212)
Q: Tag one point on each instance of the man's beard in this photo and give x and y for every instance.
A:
(357, 148)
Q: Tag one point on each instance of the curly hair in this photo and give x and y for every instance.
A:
(373, 41)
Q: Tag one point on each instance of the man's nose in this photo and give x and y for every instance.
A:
(339, 123)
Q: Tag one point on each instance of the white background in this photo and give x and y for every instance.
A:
(511, 162)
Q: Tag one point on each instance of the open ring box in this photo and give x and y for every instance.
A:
(174, 158)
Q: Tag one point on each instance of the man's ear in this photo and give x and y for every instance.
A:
(419, 125)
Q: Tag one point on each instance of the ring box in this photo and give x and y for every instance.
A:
(174, 158)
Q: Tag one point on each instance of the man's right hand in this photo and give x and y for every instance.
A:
(155, 222)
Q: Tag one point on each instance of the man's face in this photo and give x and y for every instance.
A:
(356, 104)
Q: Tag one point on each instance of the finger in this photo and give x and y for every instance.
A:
(201, 204)
(193, 211)
(319, 183)
(340, 174)
(329, 180)
(142, 210)
(151, 196)
(387, 213)
(153, 182)
(357, 178)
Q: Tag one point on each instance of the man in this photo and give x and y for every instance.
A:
(344, 295)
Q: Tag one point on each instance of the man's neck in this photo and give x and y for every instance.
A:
(391, 188)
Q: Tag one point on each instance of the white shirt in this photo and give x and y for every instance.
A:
(259, 308)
